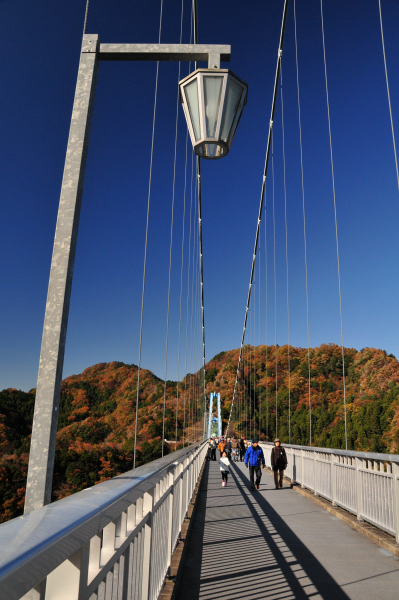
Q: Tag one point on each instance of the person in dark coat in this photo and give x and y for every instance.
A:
(228, 448)
(242, 448)
(212, 448)
(279, 462)
(254, 458)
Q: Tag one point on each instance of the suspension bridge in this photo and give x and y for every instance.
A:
(167, 529)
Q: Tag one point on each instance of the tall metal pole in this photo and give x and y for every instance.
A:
(44, 431)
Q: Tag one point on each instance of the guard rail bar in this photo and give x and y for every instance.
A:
(364, 483)
(112, 541)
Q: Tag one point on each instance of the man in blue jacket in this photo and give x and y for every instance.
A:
(254, 458)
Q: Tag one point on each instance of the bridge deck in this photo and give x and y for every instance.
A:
(278, 545)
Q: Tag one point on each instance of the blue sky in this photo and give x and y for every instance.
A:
(40, 45)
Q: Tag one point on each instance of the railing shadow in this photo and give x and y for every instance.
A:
(303, 572)
(241, 549)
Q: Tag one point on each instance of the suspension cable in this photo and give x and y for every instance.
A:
(189, 253)
(389, 95)
(171, 243)
(200, 226)
(260, 350)
(304, 220)
(195, 344)
(286, 261)
(193, 300)
(181, 287)
(275, 288)
(267, 375)
(336, 221)
(188, 301)
(86, 15)
(254, 339)
(275, 89)
(146, 243)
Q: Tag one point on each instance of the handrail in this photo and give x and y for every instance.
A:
(352, 453)
(66, 535)
(363, 483)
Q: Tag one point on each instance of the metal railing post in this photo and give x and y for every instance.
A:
(294, 458)
(359, 495)
(333, 481)
(302, 468)
(315, 473)
(38, 592)
(181, 487)
(395, 490)
(70, 576)
(171, 482)
(148, 505)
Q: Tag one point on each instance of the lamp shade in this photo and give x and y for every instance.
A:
(213, 101)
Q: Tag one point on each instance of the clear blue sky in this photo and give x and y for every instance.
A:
(40, 45)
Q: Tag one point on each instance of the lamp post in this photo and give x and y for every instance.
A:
(48, 392)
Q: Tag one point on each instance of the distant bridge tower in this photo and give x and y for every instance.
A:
(211, 417)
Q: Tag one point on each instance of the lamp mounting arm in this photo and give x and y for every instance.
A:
(212, 53)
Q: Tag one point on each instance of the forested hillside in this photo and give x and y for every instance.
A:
(95, 439)
(371, 386)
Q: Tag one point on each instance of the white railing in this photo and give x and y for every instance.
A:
(112, 541)
(364, 483)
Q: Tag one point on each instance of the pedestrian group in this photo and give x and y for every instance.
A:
(240, 450)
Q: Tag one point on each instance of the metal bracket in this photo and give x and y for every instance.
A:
(214, 54)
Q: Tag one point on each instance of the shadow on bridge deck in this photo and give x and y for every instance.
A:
(277, 545)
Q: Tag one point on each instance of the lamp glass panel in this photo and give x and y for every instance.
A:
(212, 92)
(211, 149)
(233, 97)
(191, 92)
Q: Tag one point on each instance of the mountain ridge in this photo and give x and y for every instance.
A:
(95, 438)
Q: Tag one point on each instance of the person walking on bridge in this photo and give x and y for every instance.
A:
(224, 468)
(279, 462)
(212, 447)
(242, 448)
(235, 445)
(254, 457)
(221, 446)
(228, 448)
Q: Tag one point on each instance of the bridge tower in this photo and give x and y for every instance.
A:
(211, 424)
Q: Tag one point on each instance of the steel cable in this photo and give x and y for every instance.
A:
(304, 219)
(286, 259)
(260, 349)
(389, 95)
(146, 242)
(336, 221)
(188, 300)
(263, 187)
(171, 242)
(181, 287)
(267, 375)
(86, 15)
(275, 287)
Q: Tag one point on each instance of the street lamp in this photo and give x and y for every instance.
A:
(213, 101)
(48, 391)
